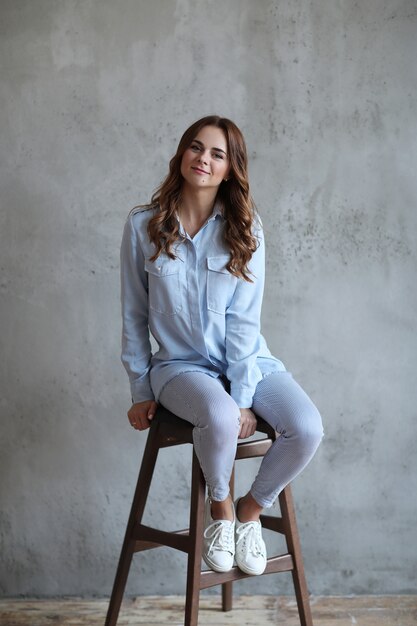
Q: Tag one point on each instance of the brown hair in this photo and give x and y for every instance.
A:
(238, 206)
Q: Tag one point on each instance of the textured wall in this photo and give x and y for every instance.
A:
(94, 97)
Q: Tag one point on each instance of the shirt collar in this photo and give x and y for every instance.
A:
(218, 209)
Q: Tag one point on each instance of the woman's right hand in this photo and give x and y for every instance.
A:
(140, 414)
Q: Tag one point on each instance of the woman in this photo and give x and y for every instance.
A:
(192, 270)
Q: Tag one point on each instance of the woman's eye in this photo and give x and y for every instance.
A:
(195, 147)
(218, 155)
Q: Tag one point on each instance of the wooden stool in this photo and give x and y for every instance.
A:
(168, 430)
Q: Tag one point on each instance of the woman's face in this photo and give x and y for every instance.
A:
(205, 163)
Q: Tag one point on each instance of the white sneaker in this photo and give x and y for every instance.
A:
(218, 541)
(250, 547)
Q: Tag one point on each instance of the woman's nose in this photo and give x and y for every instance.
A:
(203, 158)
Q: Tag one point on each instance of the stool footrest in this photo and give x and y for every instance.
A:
(273, 523)
(281, 563)
(147, 538)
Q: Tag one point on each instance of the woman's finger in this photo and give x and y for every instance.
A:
(151, 412)
(142, 424)
(243, 431)
(139, 421)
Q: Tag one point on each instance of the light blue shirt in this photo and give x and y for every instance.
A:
(203, 318)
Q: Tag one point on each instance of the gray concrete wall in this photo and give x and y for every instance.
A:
(94, 97)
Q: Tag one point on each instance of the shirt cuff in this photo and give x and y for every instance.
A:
(141, 391)
(243, 397)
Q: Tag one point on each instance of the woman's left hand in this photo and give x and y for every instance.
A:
(247, 423)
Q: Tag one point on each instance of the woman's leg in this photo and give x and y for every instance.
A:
(203, 401)
(281, 402)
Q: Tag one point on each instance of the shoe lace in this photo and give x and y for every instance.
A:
(221, 536)
(250, 536)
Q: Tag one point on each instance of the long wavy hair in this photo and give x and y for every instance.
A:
(238, 207)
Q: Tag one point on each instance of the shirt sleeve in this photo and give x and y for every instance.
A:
(136, 345)
(243, 325)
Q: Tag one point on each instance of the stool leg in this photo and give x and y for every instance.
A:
(196, 540)
(138, 505)
(294, 547)
(227, 588)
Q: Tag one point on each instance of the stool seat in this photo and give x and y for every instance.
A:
(168, 430)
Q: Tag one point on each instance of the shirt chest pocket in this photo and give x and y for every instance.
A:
(164, 285)
(221, 284)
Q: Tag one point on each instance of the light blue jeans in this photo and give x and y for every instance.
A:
(279, 400)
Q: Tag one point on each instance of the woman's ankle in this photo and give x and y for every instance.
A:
(222, 509)
(247, 509)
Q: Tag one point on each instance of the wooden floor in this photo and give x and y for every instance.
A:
(253, 610)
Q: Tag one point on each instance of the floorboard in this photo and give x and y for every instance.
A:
(258, 610)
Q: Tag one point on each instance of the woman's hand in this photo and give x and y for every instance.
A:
(140, 414)
(247, 423)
